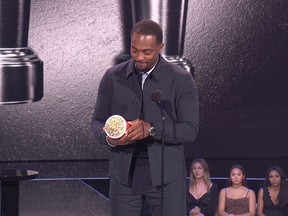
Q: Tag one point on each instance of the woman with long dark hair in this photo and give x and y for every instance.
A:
(273, 197)
(237, 199)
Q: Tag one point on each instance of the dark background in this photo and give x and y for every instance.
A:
(239, 50)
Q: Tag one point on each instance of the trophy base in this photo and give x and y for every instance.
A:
(182, 62)
(21, 76)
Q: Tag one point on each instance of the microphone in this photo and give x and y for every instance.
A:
(157, 96)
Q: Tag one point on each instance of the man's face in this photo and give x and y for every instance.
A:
(145, 51)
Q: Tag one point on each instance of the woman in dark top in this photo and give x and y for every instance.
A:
(273, 197)
(202, 194)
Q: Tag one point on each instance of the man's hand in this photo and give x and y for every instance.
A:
(138, 130)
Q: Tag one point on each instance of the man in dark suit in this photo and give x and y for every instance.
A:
(135, 158)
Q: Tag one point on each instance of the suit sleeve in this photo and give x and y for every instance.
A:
(102, 110)
(186, 105)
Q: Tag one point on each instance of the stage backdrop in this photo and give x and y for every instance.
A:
(239, 50)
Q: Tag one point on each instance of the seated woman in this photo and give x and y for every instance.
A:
(237, 199)
(202, 194)
(273, 197)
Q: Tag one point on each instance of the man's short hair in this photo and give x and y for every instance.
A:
(148, 27)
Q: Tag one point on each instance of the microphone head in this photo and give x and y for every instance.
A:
(157, 96)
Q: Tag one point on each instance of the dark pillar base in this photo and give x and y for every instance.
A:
(9, 198)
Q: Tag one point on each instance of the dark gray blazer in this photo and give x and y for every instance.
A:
(120, 93)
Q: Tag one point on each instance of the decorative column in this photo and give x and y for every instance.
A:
(127, 25)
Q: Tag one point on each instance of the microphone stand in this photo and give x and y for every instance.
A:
(157, 97)
(162, 158)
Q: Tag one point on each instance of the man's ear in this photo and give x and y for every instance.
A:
(161, 46)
